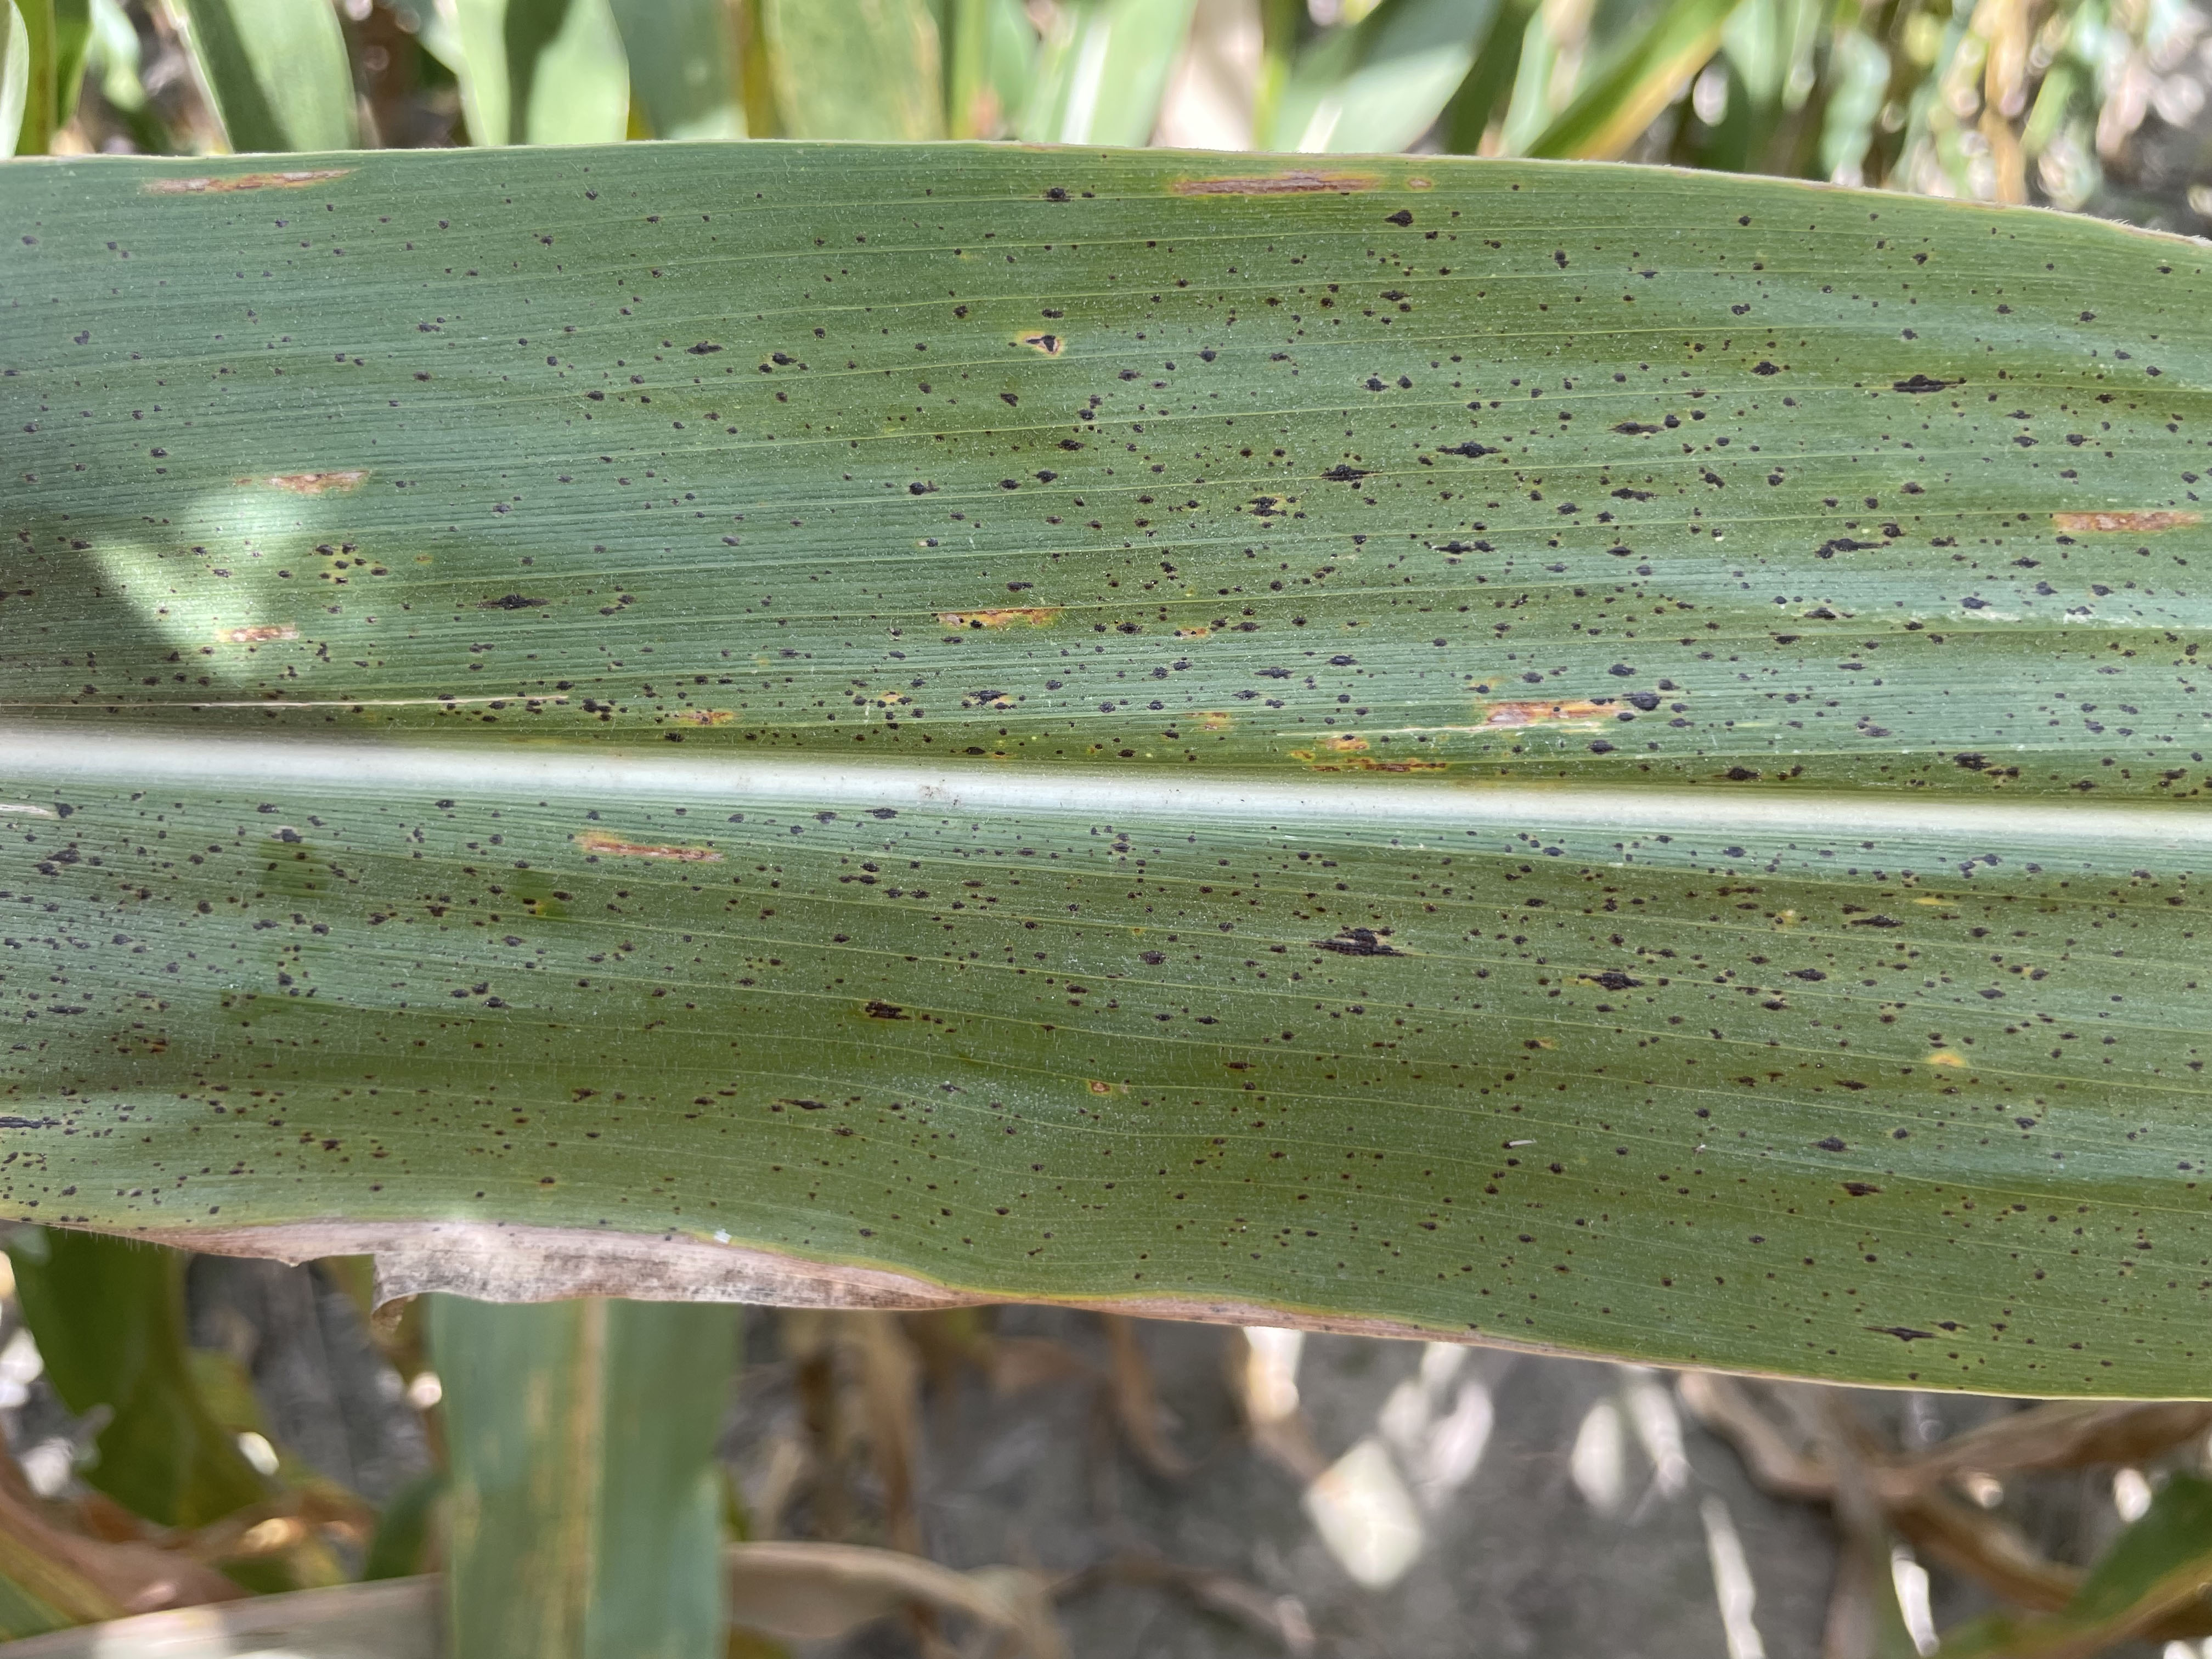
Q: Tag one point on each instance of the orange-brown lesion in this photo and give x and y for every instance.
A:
(257, 633)
(704, 716)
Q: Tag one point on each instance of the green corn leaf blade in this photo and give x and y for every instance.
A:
(679, 791)
(2160, 1565)
(1380, 85)
(72, 40)
(541, 72)
(855, 69)
(684, 66)
(584, 1517)
(161, 1454)
(23, 1613)
(15, 76)
(276, 71)
(1858, 84)
(1482, 97)
(36, 22)
(1104, 70)
(401, 1546)
(1613, 107)
(992, 57)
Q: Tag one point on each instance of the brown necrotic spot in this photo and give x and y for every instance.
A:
(1295, 182)
(597, 840)
(2146, 524)
(220, 185)
(312, 483)
(1051, 345)
(1360, 942)
(255, 633)
(705, 716)
(1039, 615)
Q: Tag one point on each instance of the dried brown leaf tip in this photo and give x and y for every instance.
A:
(257, 633)
(1295, 182)
(1540, 712)
(598, 840)
(223, 184)
(2138, 524)
(1051, 345)
(312, 483)
(1036, 615)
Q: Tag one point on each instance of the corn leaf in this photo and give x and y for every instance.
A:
(1104, 70)
(541, 72)
(276, 71)
(990, 57)
(162, 1455)
(1613, 107)
(585, 1513)
(1380, 85)
(855, 69)
(2161, 1564)
(684, 66)
(1572, 756)
(15, 76)
(37, 21)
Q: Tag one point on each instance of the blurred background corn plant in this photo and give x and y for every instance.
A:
(220, 1430)
(2095, 105)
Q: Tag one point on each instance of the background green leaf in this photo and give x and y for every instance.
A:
(542, 71)
(684, 66)
(14, 74)
(1647, 71)
(861, 69)
(276, 71)
(1104, 70)
(1382, 84)
(992, 56)
(584, 1517)
(160, 1454)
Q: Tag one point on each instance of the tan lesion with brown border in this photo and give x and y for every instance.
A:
(223, 184)
(2132, 524)
(336, 481)
(1033, 616)
(1539, 711)
(1297, 181)
(598, 840)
